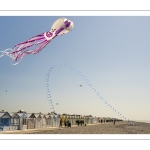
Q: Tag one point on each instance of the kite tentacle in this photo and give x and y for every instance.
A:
(5, 52)
(26, 45)
(21, 54)
(37, 37)
(20, 50)
(33, 41)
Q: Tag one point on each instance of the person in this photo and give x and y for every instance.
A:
(65, 123)
(101, 121)
(78, 122)
(69, 124)
(81, 122)
(114, 121)
(60, 125)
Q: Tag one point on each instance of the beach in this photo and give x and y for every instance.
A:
(104, 128)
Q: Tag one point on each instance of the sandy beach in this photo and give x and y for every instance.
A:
(105, 128)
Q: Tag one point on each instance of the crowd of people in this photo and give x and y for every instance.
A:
(67, 123)
(80, 122)
(108, 120)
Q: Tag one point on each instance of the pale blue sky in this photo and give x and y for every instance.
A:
(112, 52)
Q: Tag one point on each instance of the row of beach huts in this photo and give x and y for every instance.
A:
(22, 120)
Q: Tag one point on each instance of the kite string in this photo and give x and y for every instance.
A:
(87, 82)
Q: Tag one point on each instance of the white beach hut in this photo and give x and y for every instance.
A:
(48, 120)
(44, 125)
(56, 120)
(15, 121)
(38, 120)
(52, 121)
(89, 119)
(23, 120)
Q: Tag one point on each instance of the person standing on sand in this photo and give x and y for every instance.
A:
(60, 125)
(81, 122)
(77, 122)
(114, 121)
(65, 123)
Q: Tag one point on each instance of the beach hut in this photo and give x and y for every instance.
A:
(5, 119)
(94, 120)
(43, 120)
(89, 119)
(73, 119)
(23, 120)
(38, 120)
(48, 120)
(31, 121)
(15, 121)
(52, 120)
(57, 120)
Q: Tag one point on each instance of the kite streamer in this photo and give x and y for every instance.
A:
(87, 82)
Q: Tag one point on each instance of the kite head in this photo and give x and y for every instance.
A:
(62, 26)
(68, 24)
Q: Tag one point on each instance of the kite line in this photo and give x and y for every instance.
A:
(49, 97)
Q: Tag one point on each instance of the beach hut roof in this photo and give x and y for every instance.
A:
(2, 114)
(30, 115)
(11, 114)
(22, 115)
(37, 115)
(14, 114)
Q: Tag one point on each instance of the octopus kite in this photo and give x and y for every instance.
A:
(60, 27)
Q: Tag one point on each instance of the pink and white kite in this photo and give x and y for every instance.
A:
(60, 26)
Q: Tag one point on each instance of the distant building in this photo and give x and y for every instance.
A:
(21, 111)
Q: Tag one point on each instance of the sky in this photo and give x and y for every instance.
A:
(111, 51)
